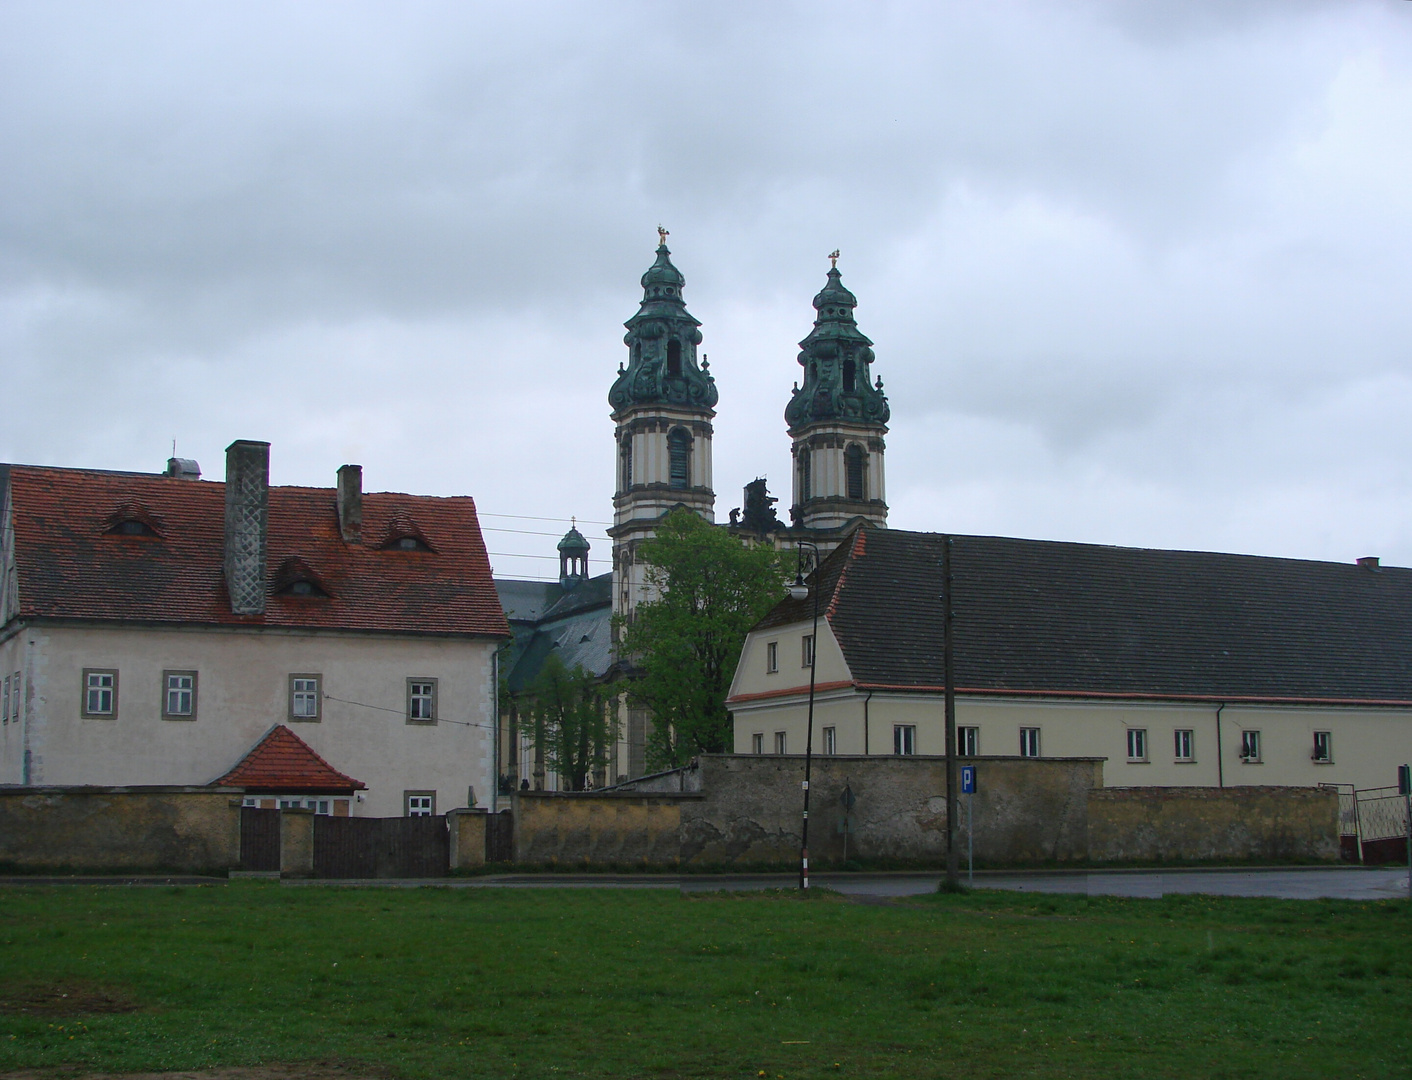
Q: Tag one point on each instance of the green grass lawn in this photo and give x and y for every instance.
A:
(472, 983)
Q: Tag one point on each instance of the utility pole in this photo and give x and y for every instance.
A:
(949, 676)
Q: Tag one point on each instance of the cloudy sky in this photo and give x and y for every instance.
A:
(1137, 273)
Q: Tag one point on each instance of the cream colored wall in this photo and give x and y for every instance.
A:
(752, 677)
(1367, 743)
(242, 691)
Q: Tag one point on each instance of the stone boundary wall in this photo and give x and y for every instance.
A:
(743, 809)
(1200, 824)
(98, 829)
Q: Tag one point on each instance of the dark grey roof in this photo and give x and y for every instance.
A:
(573, 624)
(1037, 616)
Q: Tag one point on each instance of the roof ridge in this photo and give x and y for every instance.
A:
(859, 548)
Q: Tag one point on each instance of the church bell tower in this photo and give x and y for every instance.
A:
(837, 419)
(663, 403)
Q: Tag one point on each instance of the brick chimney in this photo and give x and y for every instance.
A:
(350, 503)
(247, 524)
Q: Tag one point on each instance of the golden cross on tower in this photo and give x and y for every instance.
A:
(662, 235)
(833, 259)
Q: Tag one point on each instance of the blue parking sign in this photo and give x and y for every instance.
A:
(968, 779)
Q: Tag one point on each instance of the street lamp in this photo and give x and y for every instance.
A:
(808, 561)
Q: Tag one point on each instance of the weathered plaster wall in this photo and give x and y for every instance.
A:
(98, 829)
(1192, 824)
(749, 810)
(607, 827)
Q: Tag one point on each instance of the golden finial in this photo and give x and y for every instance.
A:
(662, 235)
(833, 259)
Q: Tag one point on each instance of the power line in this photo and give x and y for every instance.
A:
(403, 712)
(534, 532)
(528, 517)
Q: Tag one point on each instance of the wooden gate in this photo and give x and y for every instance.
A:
(259, 839)
(400, 847)
(500, 837)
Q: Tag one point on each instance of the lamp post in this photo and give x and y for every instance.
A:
(808, 561)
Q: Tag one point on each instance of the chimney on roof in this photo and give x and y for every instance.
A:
(183, 468)
(1368, 562)
(350, 503)
(247, 524)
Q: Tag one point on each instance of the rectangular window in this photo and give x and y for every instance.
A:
(1029, 742)
(779, 742)
(1183, 748)
(15, 697)
(305, 697)
(968, 741)
(757, 743)
(6, 707)
(830, 740)
(808, 655)
(420, 803)
(1137, 744)
(904, 738)
(772, 657)
(1323, 747)
(100, 693)
(421, 701)
(178, 695)
(1250, 747)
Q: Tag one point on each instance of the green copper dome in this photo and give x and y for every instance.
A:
(837, 360)
(573, 541)
(662, 339)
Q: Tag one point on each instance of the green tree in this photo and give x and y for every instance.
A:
(570, 722)
(684, 646)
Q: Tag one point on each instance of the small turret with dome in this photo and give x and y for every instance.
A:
(837, 418)
(573, 557)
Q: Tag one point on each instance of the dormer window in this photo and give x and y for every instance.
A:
(407, 543)
(303, 587)
(132, 527)
(297, 579)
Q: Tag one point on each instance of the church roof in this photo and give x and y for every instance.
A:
(1053, 618)
(72, 563)
(837, 358)
(573, 624)
(283, 762)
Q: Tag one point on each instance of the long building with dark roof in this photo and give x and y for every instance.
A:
(158, 628)
(1180, 668)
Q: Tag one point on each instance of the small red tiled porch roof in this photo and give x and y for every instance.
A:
(283, 762)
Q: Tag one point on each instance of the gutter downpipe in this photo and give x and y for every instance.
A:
(495, 729)
(1220, 768)
(865, 722)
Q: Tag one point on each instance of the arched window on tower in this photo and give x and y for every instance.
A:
(625, 462)
(679, 459)
(806, 475)
(674, 357)
(854, 465)
(850, 375)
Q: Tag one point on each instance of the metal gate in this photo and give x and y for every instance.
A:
(401, 847)
(1382, 825)
(500, 837)
(259, 839)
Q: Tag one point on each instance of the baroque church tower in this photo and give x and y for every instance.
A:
(837, 420)
(663, 404)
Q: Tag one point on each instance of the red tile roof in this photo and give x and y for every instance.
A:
(71, 566)
(283, 762)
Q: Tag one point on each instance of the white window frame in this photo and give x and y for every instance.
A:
(781, 743)
(830, 741)
(1327, 757)
(93, 684)
(968, 741)
(904, 739)
(168, 713)
(1029, 742)
(419, 803)
(306, 688)
(806, 652)
(6, 709)
(1137, 745)
(772, 657)
(1184, 745)
(1250, 748)
(757, 743)
(422, 700)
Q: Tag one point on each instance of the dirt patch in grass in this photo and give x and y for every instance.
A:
(65, 999)
(309, 1070)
